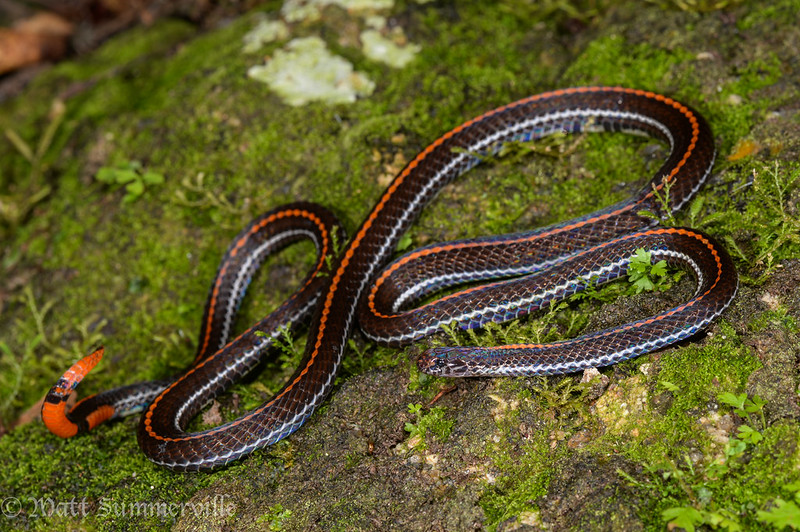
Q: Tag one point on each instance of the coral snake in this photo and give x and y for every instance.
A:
(508, 276)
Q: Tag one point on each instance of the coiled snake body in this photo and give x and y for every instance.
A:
(533, 269)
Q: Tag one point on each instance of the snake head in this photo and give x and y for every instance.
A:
(443, 362)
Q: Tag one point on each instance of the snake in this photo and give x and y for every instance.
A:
(487, 279)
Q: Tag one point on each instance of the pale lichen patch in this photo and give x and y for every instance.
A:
(309, 10)
(266, 31)
(306, 71)
(388, 51)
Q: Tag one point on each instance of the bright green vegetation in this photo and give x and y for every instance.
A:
(275, 517)
(643, 275)
(432, 423)
(769, 217)
(118, 197)
(132, 176)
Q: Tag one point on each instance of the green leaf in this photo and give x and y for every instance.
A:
(719, 520)
(755, 404)
(640, 261)
(404, 243)
(106, 175)
(414, 408)
(643, 284)
(648, 214)
(718, 470)
(736, 401)
(641, 271)
(695, 207)
(124, 175)
(669, 386)
(683, 516)
(749, 434)
(659, 268)
(152, 178)
(134, 190)
(782, 515)
(735, 448)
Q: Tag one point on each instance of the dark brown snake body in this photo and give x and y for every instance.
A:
(534, 269)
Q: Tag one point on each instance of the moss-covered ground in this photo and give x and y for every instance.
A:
(704, 434)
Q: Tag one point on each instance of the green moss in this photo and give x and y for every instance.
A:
(700, 374)
(522, 459)
(63, 471)
(774, 318)
(132, 45)
(274, 517)
(525, 476)
(722, 364)
(765, 232)
(698, 5)
(738, 487)
(683, 456)
(134, 276)
(433, 423)
(733, 109)
(611, 60)
(772, 12)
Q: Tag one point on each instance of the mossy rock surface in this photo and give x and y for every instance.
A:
(87, 259)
